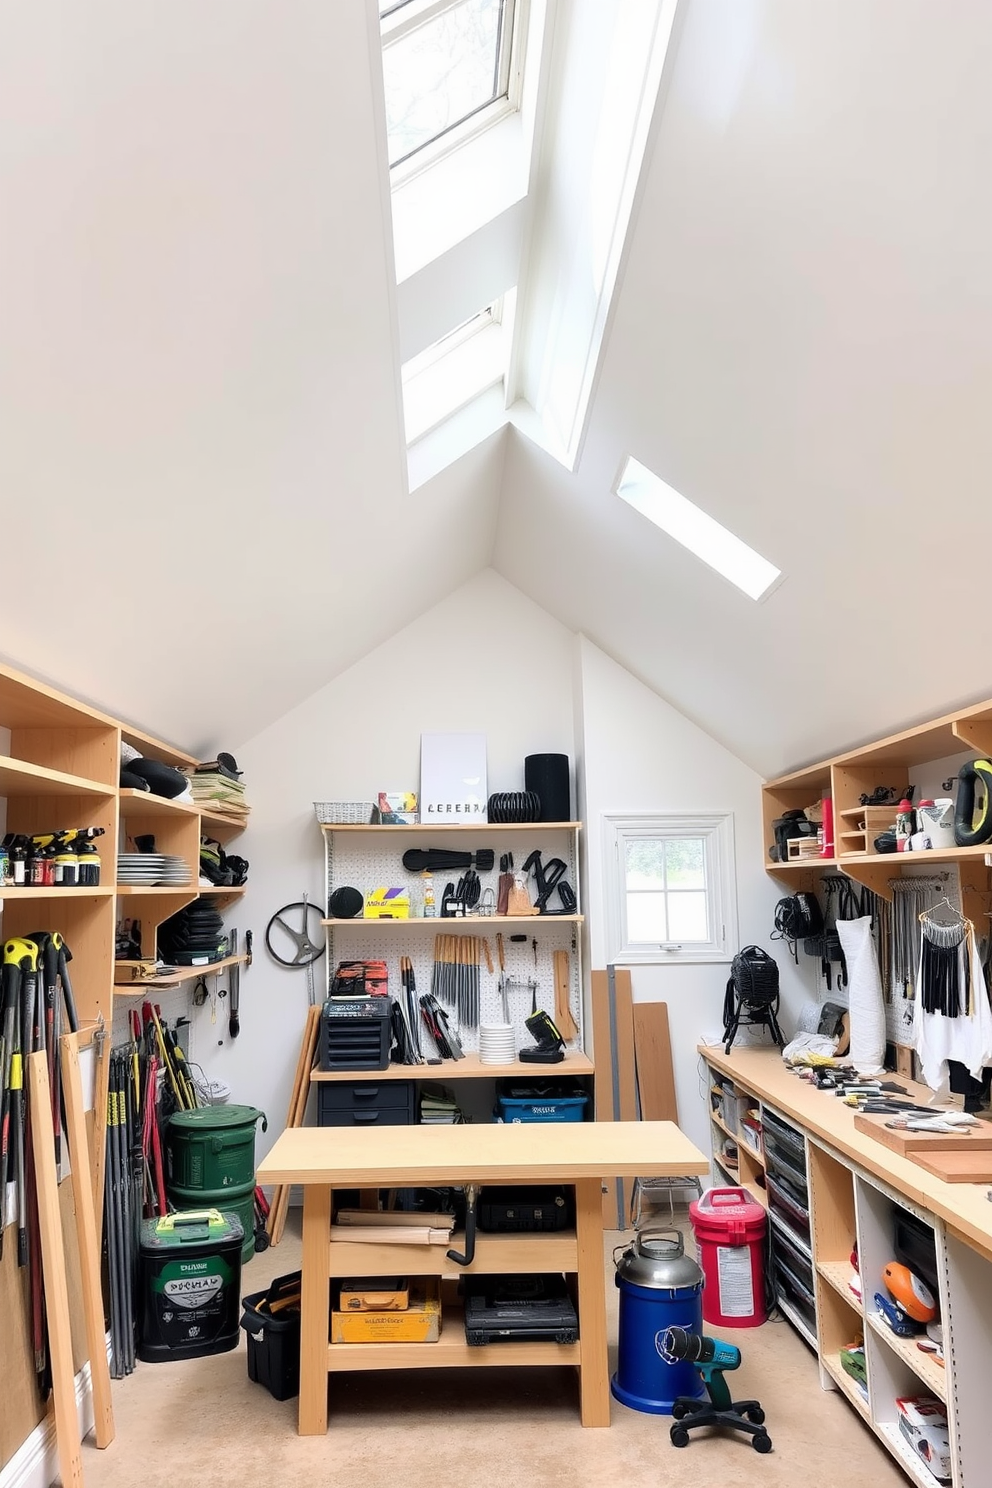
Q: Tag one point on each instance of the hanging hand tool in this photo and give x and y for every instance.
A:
(533, 1000)
(503, 990)
(546, 876)
(23, 956)
(441, 860)
(234, 992)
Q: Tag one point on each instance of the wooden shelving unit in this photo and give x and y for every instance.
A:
(857, 1190)
(895, 761)
(62, 771)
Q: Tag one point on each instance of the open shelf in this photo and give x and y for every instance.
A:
(220, 826)
(903, 1453)
(479, 828)
(835, 1274)
(846, 1385)
(453, 922)
(451, 1350)
(21, 778)
(174, 978)
(59, 891)
(495, 1255)
(469, 1068)
(147, 804)
(931, 1374)
(161, 891)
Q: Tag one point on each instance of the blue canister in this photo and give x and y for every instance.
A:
(660, 1288)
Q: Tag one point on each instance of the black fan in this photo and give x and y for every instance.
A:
(751, 999)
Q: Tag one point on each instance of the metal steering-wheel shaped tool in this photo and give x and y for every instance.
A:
(306, 951)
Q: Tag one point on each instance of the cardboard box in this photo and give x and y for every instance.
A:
(420, 1323)
(387, 904)
(375, 1294)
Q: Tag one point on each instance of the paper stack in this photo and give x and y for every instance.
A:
(439, 1108)
(218, 791)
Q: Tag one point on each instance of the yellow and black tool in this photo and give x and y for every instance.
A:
(972, 826)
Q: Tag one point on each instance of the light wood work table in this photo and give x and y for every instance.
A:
(325, 1158)
(963, 1207)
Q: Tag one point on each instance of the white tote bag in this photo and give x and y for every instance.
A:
(864, 989)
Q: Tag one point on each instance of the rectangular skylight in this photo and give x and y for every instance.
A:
(701, 534)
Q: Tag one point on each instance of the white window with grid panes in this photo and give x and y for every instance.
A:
(670, 888)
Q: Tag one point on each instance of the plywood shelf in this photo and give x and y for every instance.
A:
(472, 828)
(454, 922)
(451, 1350)
(835, 1273)
(495, 1255)
(846, 1385)
(21, 778)
(36, 891)
(147, 804)
(175, 978)
(469, 1068)
(924, 1366)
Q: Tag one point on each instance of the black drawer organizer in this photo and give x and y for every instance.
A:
(789, 1229)
(367, 1103)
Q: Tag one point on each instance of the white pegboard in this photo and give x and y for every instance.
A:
(370, 859)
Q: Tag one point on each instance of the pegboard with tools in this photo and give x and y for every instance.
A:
(458, 957)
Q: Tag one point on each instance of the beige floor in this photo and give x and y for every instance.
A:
(202, 1423)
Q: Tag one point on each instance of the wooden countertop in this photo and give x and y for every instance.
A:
(964, 1207)
(528, 1152)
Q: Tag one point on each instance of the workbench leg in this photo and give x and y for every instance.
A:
(314, 1309)
(594, 1370)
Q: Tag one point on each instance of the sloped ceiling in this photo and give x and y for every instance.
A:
(201, 451)
(201, 463)
(803, 345)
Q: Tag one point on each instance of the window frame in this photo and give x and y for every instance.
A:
(717, 830)
(408, 16)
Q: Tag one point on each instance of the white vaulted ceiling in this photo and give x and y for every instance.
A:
(202, 472)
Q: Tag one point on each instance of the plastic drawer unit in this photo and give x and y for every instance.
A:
(367, 1103)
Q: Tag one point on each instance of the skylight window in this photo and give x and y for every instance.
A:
(444, 63)
(695, 530)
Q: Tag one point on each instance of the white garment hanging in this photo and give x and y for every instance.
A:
(967, 1038)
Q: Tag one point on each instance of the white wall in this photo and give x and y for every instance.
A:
(484, 659)
(640, 754)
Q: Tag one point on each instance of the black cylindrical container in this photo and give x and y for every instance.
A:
(547, 774)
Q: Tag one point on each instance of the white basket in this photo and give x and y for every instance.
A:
(344, 813)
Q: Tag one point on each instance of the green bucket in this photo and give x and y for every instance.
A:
(212, 1149)
(236, 1202)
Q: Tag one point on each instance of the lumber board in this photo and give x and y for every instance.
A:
(601, 1047)
(653, 1058)
(67, 1436)
(297, 1110)
(906, 1143)
(956, 1167)
(88, 1240)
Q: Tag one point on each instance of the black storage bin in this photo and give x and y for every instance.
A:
(389, 1103)
(274, 1339)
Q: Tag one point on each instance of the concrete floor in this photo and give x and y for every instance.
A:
(202, 1423)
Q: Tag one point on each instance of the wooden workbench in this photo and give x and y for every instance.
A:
(964, 1207)
(582, 1153)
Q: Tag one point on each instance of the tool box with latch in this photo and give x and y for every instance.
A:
(367, 1103)
(540, 1100)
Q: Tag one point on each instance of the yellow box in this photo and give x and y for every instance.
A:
(420, 1323)
(387, 904)
(375, 1294)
